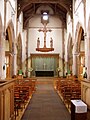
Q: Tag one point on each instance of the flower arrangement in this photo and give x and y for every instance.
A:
(58, 69)
(30, 69)
(20, 72)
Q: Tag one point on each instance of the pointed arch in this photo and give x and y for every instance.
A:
(9, 54)
(78, 34)
(11, 35)
(80, 54)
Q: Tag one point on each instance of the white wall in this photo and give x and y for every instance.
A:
(87, 12)
(23, 39)
(2, 10)
(68, 34)
(55, 25)
(2, 38)
(88, 36)
(78, 15)
(11, 13)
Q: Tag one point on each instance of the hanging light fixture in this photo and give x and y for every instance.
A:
(45, 17)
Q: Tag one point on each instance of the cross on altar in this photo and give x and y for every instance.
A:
(44, 30)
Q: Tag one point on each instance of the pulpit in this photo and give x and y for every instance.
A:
(78, 110)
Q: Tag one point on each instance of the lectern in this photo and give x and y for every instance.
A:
(78, 110)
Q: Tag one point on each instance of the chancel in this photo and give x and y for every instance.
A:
(45, 70)
(44, 64)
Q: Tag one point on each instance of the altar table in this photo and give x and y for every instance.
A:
(44, 73)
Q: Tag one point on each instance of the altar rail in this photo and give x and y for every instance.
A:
(7, 100)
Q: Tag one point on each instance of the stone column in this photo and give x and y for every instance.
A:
(87, 57)
(5, 1)
(27, 53)
(75, 55)
(74, 45)
(3, 43)
(15, 42)
(63, 47)
(87, 51)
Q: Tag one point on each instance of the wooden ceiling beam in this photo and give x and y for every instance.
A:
(29, 8)
(24, 3)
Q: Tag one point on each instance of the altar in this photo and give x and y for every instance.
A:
(44, 73)
(44, 64)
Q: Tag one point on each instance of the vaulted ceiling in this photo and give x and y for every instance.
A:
(29, 8)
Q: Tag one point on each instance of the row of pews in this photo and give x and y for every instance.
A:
(23, 91)
(68, 89)
(15, 95)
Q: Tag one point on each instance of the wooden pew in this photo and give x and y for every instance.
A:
(68, 89)
(23, 90)
(7, 100)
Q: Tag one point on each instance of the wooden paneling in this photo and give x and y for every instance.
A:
(7, 100)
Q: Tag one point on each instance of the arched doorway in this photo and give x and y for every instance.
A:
(69, 56)
(80, 52)
(9, 51)
(19, 53)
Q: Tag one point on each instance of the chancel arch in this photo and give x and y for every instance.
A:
(9, 50)
(19, 52)
(80, 51)
(69, 54)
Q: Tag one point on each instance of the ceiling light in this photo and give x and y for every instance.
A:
(45, 16)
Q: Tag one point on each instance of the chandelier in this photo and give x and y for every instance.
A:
(44, 21)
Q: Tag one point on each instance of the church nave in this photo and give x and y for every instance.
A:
(44, 59)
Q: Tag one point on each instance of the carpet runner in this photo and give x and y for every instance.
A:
(46, 105)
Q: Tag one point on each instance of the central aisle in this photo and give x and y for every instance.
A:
(46, 104)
